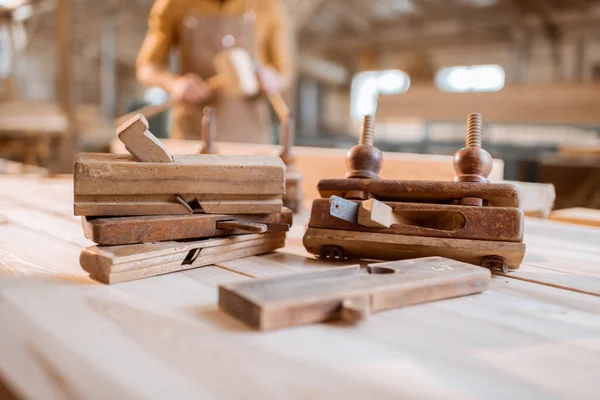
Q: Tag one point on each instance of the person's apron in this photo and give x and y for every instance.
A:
(238, 119)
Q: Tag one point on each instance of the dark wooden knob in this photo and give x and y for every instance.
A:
(473, 163)
(364, 161)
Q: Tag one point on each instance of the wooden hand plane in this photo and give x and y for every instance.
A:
(153, 182)
(469, 220)
(348, 294)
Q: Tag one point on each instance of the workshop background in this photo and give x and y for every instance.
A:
(531, 67)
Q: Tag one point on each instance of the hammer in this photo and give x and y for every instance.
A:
(236, 72)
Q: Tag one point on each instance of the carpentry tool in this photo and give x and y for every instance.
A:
(116, 264)
(236, 73)
(118, 185)
(348, 294)
(469, 220)
(156, 228)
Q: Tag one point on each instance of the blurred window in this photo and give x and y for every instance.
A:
(367, 86)
(472, 78)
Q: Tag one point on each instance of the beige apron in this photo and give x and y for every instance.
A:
(245, 120)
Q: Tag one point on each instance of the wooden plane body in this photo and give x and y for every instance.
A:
(348, 293)
(118, 185)
(116, 264)
(408, 219)
(114, 231)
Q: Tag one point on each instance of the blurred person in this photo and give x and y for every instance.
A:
(200, 29)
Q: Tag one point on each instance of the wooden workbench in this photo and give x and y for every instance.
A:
(534, 334)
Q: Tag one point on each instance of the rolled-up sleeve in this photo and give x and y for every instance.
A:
(162, 33)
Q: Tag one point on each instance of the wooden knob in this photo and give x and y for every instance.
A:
(472, 163)
(364, 161)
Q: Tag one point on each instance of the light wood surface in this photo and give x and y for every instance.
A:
(580, 216)
(316, 163)
(164, 336)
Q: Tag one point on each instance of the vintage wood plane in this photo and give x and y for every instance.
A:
(347, 293)
(114, 231)
(469, 220)
(153, 182)
(116, 264)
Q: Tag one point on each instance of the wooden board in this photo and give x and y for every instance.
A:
(116, 264)
(430, 220)
(380, 246)
(496, 195)
(113, 185)
(145, 229)
(580, 216)
(348, 294)
(536, 199)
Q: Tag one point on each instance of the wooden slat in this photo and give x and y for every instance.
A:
(580, 216)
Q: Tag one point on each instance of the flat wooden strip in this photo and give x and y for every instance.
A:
(430, 220)
(580, 216)
(380, 246)
(109, 174)
(144, 229)
(537, 199)
(115, 264)
(497, 194)
(324, 295)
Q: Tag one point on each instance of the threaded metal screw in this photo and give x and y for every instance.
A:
(474, 123)
(367, 131)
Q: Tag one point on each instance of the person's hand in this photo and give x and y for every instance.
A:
(190, 88)
(269, 80)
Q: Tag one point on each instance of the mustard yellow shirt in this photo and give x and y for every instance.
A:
(271, 29)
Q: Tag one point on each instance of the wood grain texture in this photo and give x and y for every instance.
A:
(345, 293)
(429, 220)
(380, 246)
(144, 229)
(112, 185)
(580, 216)
(165, 338)
(109, 174)
(496, 195)
(140, 142)
(116, 264)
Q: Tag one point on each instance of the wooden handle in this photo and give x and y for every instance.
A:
(356, 309)
(153, 110)
(279, 105)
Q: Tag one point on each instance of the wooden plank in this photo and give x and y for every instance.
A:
(130, 230)
(345, 293)
(367, 245)
(568, 104)
(537, 199)
(116, 264)
(580, 216)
